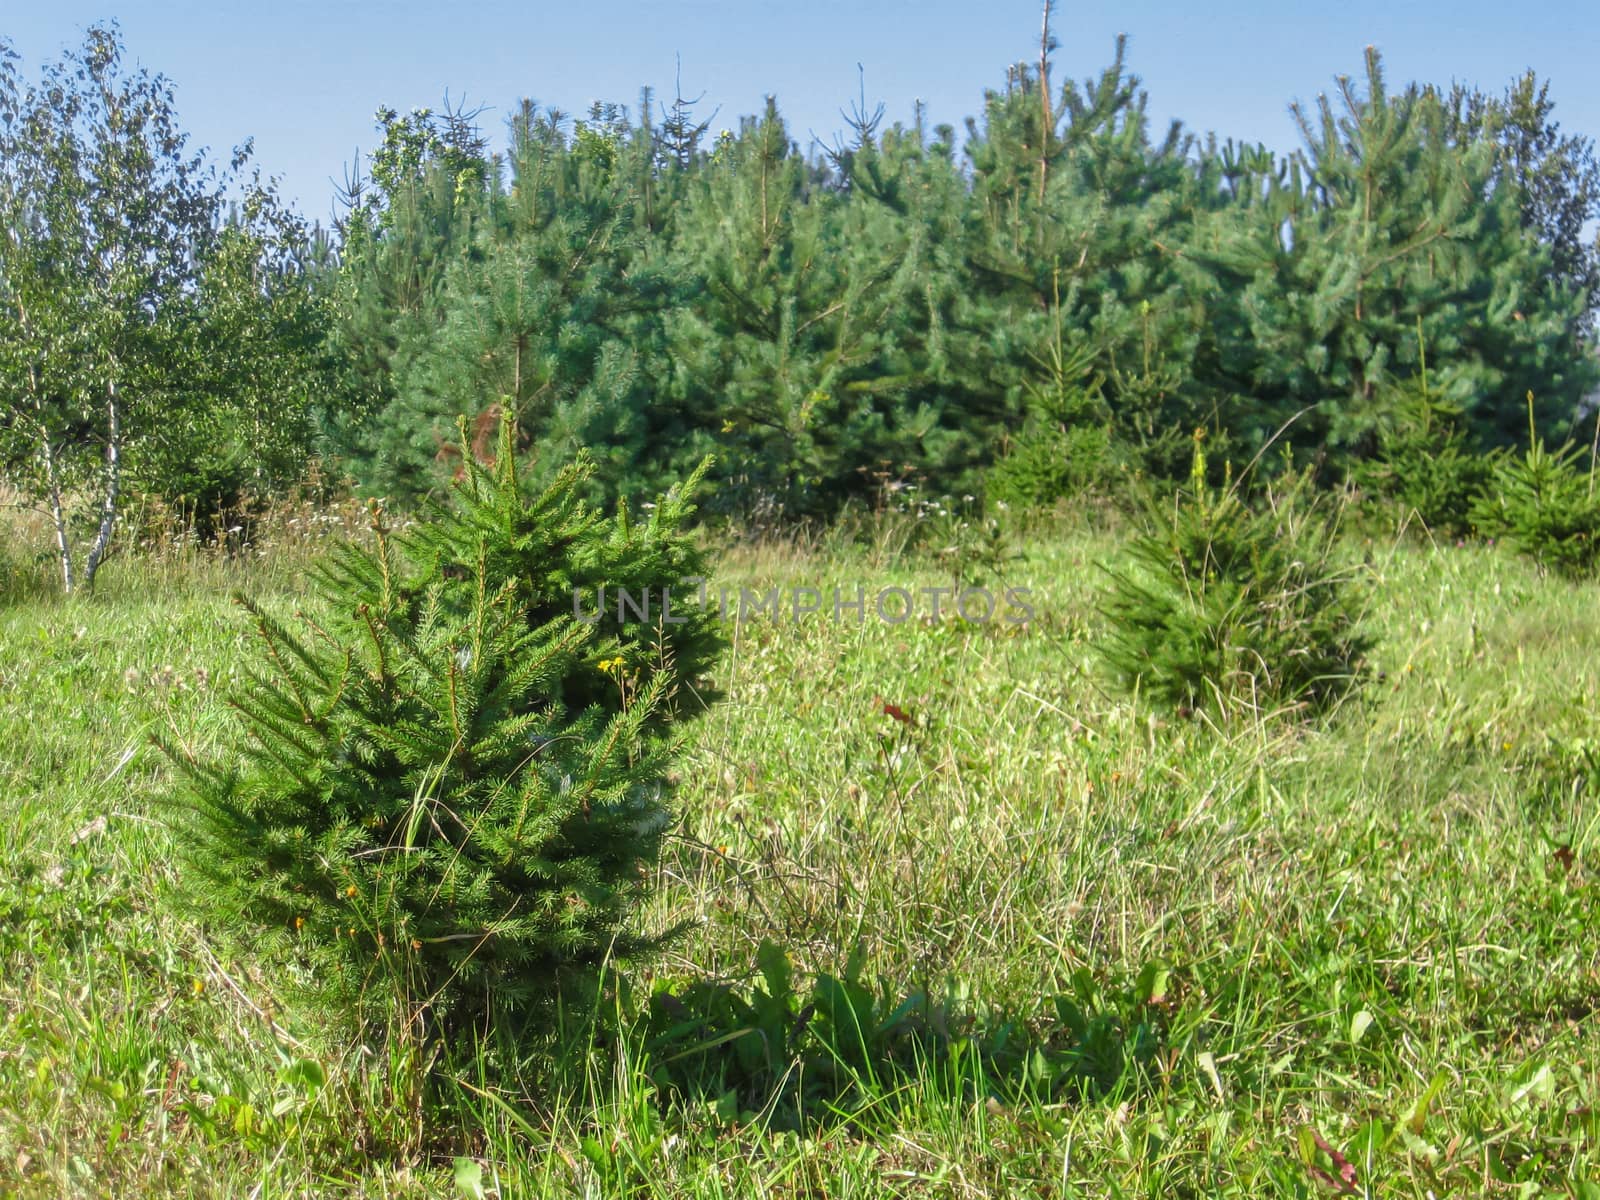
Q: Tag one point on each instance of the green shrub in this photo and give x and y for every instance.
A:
(1425, 466)
(449, 791)
(1233, 609)
(1052, 461)
(1065, 446)
(1545, 504)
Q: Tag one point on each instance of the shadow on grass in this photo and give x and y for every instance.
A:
(833, 1052)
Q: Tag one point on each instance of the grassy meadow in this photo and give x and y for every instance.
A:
(1359, 958)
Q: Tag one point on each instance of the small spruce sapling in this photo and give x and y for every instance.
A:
(1236, 610)
(448, 792)
(1065, 447)
(1425, 465)
(1545, 504)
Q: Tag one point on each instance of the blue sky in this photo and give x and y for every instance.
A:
(304, 77)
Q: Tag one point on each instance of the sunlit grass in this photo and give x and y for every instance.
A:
(1383, 928)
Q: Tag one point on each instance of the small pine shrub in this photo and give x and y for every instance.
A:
(449, 789)
(1546, 505)
(1235, 610)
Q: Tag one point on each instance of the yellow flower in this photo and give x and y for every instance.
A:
(351, 890)
(299, 924)
(198, 985)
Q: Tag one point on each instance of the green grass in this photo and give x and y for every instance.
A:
(1374, 928)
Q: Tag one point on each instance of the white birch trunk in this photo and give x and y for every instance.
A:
(113, 492)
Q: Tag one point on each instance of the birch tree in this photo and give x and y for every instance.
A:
(106, 219)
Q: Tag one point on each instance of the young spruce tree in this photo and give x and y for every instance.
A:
(451, 781)
(1239, 611)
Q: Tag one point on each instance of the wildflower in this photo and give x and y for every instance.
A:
(299, 924)
(198, 985)
(351, 890)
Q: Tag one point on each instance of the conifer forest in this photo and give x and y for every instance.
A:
(642, 657)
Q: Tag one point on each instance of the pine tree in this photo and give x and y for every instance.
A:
(1078, 221)
(1384, 222)
(544, 314)
(417, 212)
(784, 350)
(821, 322)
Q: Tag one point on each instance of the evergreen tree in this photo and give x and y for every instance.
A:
(402, 228)
(884, 312)
(1556, 175)
(540, 314)
(679, 136)
(1236, 610)
(1546, 504)
(450, 789)
(1078, 221)
(1424, 464)
(1322, 292)
(783, 352)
